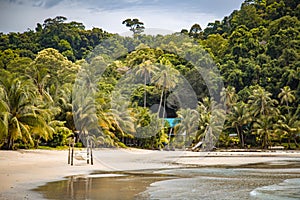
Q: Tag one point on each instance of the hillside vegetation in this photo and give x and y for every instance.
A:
(61, 79)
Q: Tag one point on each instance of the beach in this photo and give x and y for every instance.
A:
(23, 170)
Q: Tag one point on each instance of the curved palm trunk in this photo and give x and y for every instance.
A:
(161, 99)
(10, 143)
(145, 92)
(295, 141)
(289, 143)
(241, 136)
(164, 110)
(265, 141)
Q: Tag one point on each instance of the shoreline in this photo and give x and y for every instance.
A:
(23, 170)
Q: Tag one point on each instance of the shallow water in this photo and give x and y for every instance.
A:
(288, 189)
(184, 183)
(99, 185)
(221, 183)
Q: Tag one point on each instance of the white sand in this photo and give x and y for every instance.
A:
(23, 170)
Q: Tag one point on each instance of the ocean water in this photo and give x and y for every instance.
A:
(183, 183)
(288, 189)
(222, 183)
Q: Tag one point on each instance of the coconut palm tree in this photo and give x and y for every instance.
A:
(229, 97)
(121, 118)
(85, 115)
(286, 96)
(263, 127)
(20, 117)
(261, 103)
(238, 117)
(145, 69)
(288, 126)
(211, 116)
(166, 79)
(204, 117)
(189, 122)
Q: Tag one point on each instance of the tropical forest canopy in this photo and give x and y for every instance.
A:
(61, 79)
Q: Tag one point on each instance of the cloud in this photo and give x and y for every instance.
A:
(36, 3)
(109, 14)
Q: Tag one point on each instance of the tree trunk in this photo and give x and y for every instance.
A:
(164, 108)
(161, 98)
(297, 145)
(69, 153)
(72, 152)
(92, 160)
(87, 150)
(265, 141)
(145, 92)
(241, 137)
(10, 143)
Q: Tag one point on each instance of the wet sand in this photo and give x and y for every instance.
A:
(21, 171)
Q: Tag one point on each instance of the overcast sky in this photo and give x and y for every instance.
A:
(173, 15)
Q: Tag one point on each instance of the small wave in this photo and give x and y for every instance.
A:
(288, 190)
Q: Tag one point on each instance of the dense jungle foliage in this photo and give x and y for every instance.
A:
(61, 80)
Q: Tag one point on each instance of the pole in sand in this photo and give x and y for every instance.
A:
(92, 162)
(72, 154)
(87, 150)
(69, 156)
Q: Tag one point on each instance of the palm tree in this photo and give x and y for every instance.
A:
(286, 96)
(145, 69)
(239, 117)
(121, 118)
(4, 114)
(211, 116)
(85, 115)
(261, 103)
(189, 122)
(204, 117)
(166, 79)
(263, 127)
(40, 78)
(288, 126)
(262, 107)
(20, 117)
(83, 99)
(229, 97)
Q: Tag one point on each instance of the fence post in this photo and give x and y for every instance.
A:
(72, 154)
(92, 161)
(87, 150)
(69, 156)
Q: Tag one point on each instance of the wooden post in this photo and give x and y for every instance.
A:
(92, 161)
(87, 150)
(69, 151)
(72, 154)
(170, 138)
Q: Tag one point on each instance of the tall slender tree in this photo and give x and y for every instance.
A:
(263, 127)
(145, 69)
(286, 96)
(229, 97)
(261, 103)
(165, 79)
(239, 117)
(287, 127)
(134, 25)
(189, 122)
